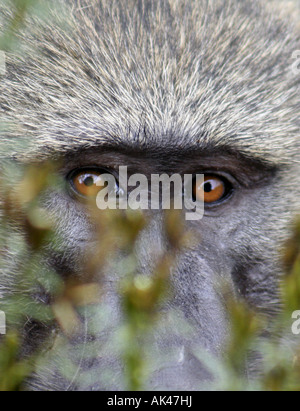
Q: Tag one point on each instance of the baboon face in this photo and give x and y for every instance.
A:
(164, 87)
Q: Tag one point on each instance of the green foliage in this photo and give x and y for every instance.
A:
(13, 371)
(26, 229)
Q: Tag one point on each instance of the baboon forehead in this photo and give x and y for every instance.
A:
(168, 72)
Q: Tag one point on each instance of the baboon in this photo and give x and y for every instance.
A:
(184, 86)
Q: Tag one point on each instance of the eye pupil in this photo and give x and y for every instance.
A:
(89, 181)
(207, 187)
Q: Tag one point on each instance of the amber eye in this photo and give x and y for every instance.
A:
(212, 189)
(87, 183)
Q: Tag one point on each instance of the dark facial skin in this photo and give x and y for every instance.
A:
(223, 253)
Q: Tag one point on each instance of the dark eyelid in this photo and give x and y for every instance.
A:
(89, 169)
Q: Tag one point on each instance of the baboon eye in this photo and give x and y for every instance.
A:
(87, 183)
(212, 190)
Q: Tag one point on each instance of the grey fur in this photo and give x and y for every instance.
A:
(169, 85)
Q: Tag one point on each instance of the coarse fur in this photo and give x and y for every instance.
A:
(164, 86)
